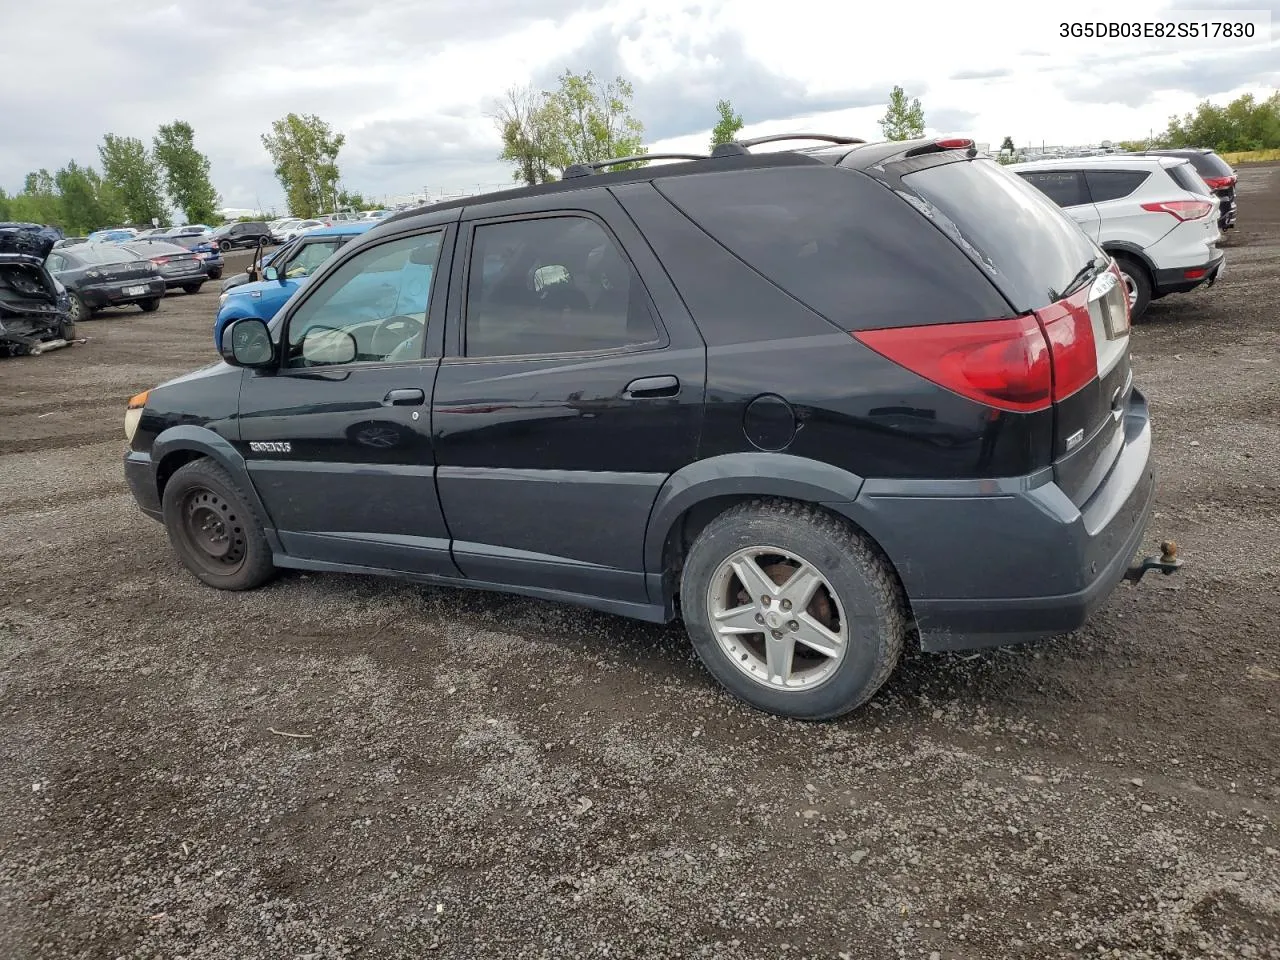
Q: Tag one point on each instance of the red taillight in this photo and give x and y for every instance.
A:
(1182, 209)
(954, 143)
(1195, 274)
(1000, 363)
(159, 261)
(1021, 364)
(1069, 329)
(1219, 183)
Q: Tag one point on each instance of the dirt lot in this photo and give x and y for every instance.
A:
(494, 777)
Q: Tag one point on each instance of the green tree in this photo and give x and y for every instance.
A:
(1243, 124)
(132, 174)
(186, 171)
(88, 204)
(39, 201)
(593, 121)
(904, 120)
(348, 200)
(528, 125)
(727, 127)
(305, 150)
(1007, 144)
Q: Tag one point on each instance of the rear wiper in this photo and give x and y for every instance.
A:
(1085, 274)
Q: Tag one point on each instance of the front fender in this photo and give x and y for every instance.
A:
(189, 438)
(742, 474)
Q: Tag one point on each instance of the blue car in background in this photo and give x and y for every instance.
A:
(285, 272)
(112, 236)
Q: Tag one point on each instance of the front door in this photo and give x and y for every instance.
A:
(563, 404)
(338, 439)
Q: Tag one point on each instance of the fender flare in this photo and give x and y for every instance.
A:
(191, 438)
(742, 474)
(1131, 249)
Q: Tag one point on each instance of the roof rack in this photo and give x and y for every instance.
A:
(738, 148)
(586, 169)
(734, 148)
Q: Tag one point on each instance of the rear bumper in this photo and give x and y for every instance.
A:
(1183, 279)
(1011, 560)
(186, 279)
(141, 478)
(113, 295)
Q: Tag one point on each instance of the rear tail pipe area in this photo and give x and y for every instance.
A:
(1168, 562)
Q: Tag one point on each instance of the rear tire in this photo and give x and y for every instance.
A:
(214, 530)
(77, 310)
(149, 306)
(215, 274)
(224, 246)
(192, 287)
(1138, 284)
(857, 605)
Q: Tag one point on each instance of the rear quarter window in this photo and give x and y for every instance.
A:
(1064, 187)
(840, 243)
(1107, 185)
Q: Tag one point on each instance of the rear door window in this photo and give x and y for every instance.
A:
(1027, 245)
(840, 243)
(1066, 188)
(1185, 176)
(1107, 185)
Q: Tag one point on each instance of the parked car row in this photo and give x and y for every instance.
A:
(809, 401)
(1154, 214)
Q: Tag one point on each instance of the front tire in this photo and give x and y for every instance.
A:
(791, 610)
(213, 529)
(1137, 284)
(224, 246)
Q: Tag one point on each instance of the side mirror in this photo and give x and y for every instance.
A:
(324, 346)
(247, 343)
(269, 273)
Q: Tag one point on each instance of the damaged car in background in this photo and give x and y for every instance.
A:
(34, 307)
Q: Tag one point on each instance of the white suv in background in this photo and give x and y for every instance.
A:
(1154, 215)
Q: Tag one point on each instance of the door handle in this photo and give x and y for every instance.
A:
(409, 397)
(649, 388)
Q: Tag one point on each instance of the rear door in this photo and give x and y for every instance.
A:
(564, 401)
(1067, 188)
(1042, 264)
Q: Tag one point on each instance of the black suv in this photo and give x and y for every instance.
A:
(1217, 175)
(806, 400)
(232, 236)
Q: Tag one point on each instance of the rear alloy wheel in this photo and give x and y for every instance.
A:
(1137, 285)
(150, 305)
(77, 310)
(213, 528)
(791, 610)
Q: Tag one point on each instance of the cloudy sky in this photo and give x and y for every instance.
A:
(413, 83)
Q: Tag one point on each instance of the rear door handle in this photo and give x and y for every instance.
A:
(408, 397)
(649, 388)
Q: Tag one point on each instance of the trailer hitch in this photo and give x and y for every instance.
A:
(1168, 562)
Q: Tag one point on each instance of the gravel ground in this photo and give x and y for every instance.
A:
(482, 776)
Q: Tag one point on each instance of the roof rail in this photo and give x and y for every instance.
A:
(738, 148)
(586, 169)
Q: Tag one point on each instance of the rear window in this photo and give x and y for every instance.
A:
(1185, 176)
(840, 243)
(1113, 184)
(1210, 165)
(89, 254)
(1031, 249)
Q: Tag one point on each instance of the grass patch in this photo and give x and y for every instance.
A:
(1251, 156)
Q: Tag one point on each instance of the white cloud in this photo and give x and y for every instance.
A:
(410, 85)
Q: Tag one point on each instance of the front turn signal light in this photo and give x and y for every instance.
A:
(133, 414)
(138, 401)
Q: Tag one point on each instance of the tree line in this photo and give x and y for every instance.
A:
(131, 188)
(584, 120)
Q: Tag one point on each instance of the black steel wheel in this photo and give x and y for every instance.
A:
(214, 529)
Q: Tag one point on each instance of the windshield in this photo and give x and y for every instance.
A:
(1021, 239)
